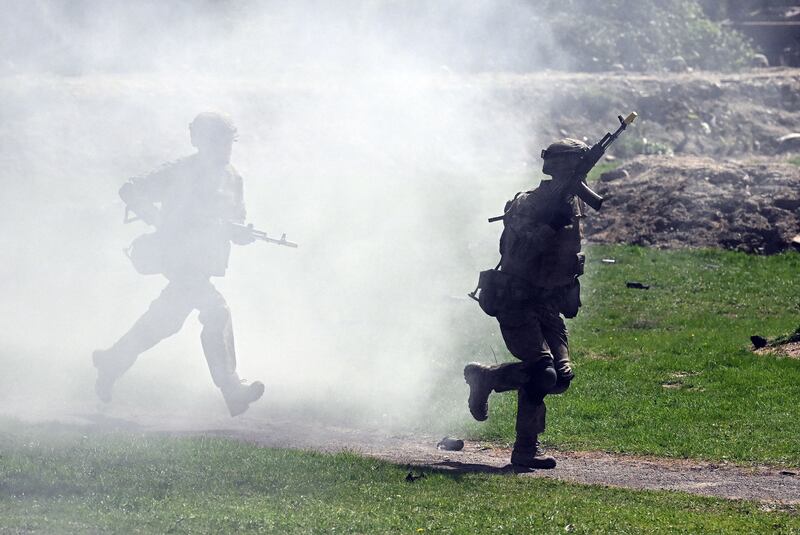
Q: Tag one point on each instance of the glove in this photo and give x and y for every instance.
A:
(242, 235)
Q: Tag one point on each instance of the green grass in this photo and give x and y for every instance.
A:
(72, 480)
(600, 168)
(795, 160)
(669, 371)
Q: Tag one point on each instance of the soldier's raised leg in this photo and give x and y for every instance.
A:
(523, 336)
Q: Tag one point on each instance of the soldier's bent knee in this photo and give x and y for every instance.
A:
(562, 384)
(544, 378)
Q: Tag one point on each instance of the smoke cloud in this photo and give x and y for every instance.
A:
(371, 132)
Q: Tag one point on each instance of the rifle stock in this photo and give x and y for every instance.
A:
(577, 183)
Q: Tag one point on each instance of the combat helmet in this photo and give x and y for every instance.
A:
(563, 147)
(561, 157)
(211, 126)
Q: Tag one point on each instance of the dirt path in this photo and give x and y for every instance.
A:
(770, 485)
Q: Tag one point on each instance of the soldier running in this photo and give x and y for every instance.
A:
(541, 260)
(191, 203)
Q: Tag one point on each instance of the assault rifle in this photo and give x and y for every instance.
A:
(576, 184)
(261, 235)
(246, 230)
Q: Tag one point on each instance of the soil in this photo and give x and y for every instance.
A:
(789, 349)
(774, 486)
(690, 201)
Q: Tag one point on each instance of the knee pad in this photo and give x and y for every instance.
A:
(543, 376)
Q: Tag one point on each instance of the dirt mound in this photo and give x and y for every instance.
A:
(698, 202)
(701, 113)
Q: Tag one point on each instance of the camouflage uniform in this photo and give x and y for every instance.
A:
(533, 329)
(198, 197)
(542, 257)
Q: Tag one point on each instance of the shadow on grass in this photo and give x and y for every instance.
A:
(456, 469)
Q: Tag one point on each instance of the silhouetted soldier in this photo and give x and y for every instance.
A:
(191, 202)
(537, 283)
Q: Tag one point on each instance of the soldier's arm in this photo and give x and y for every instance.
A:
(239, 211)
(141, 194)
(238, 234)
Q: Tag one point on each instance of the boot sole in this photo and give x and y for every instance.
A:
(470, 375)
(524, 468)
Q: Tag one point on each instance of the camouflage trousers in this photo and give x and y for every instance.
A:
(535, 334)
(165, 317)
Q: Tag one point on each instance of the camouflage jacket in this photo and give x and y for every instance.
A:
(535, 251)
(196, 200)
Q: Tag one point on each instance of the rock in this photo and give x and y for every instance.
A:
(677, 64)
(789, 142)
(619, 67)
(450, 444)
(790, 204)
(796, 242)
(759, 61)
(614, 174)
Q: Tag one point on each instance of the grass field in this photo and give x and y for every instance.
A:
(664, 371)
(68, 480)
(668, 371)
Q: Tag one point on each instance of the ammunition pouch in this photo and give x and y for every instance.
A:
(147, 254)
(580, 263)
(571, 300)
(499, 291)
(571, 295)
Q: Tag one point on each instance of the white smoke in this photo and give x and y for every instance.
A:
(372, 132)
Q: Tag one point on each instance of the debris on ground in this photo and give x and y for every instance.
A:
(689, 201)
(637, 285)
(784, 346)
(410, 478)
(450, 444)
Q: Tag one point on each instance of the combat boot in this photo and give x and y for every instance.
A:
(107, 374)
(478, 378)
(527, 457)
(239, 396)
